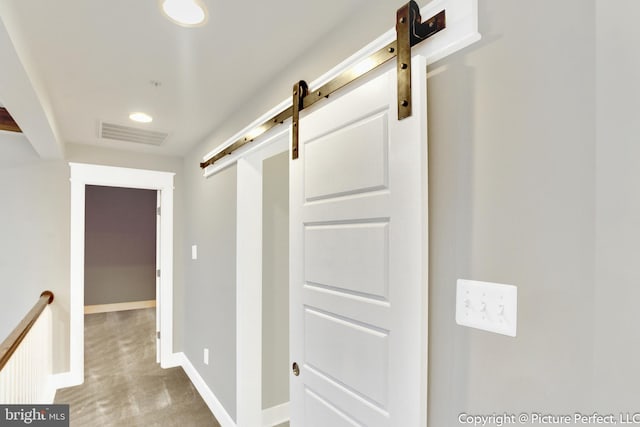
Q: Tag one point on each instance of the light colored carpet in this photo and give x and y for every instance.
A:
(124, 386)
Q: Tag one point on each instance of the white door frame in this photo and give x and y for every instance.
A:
(249, 287)
(87, 174)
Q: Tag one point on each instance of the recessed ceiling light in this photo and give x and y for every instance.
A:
(187, 13)
(140, 117)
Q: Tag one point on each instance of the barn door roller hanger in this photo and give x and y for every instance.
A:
(410, 30)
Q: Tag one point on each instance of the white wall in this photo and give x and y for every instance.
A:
(616, 349)
(512, 144)
(34, 248)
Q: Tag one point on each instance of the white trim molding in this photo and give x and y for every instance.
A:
(249, 279)
(275, 415)
(86, 174)
(62, 380)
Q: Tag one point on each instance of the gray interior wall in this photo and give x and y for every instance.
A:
(616, 346)
(34, 225)
(275, 280)
(120, 245)
(210, 286)
(512, 175)
(34, 230)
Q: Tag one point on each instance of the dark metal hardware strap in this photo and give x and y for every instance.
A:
(300, 90)
(410, 31)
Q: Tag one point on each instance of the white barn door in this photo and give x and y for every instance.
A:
(359, 258)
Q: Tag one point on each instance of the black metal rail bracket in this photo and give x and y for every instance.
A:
(410, 30)
(300, 90)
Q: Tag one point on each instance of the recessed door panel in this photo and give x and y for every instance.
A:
(352, 258)
(352, 354)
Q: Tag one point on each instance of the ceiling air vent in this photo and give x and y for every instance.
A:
(130, 134)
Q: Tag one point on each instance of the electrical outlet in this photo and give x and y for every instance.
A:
(488, 306)
(194, 251)
(206, 356)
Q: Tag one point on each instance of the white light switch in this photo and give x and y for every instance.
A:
(206, 356)
(492, 307)
(194, 251)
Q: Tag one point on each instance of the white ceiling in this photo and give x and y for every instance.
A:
(95, 60)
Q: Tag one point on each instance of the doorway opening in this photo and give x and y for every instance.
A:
(120, 249)
(121, 256)
(275, 286)
(82, 177)
(263, 281)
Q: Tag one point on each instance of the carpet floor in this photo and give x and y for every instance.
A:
(124, 386)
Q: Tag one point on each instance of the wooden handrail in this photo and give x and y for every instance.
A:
(11, 344)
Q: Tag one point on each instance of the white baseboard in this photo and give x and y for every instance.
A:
(210, 399)
(275, 415)
(175, 359)
(121, 306)
(63, 380)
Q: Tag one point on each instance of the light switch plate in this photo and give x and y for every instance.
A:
(194, 251)
(205, 356)
(488, 306)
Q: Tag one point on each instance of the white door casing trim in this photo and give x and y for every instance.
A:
(275, 415)
(249, 279)
(87, 174)
(158, 283)
(461, 31)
